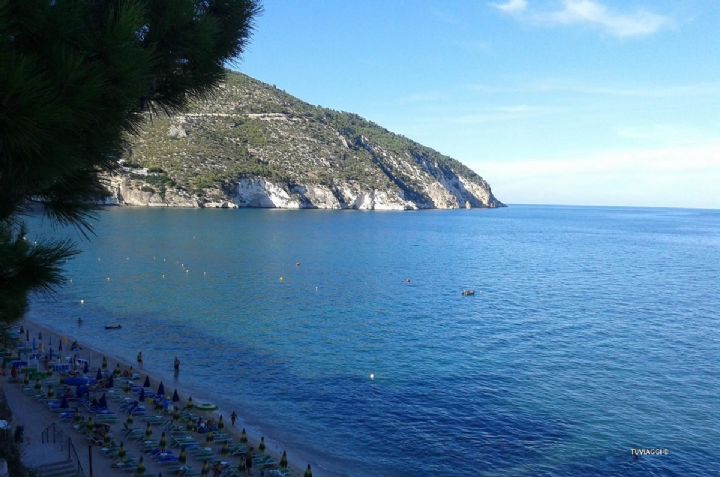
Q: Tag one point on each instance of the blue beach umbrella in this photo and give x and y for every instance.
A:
(161, 389)
(146, 384)
(176, 397)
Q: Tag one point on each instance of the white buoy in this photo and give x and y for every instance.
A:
(108, 278)
(98, 259)
(82, 302)
(127, 258)
(187, 271)
(204, 273)
(163, 276)
(372, 376)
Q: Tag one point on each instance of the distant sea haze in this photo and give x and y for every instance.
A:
(589, 348)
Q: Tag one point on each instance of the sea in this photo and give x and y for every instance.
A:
(592, 333)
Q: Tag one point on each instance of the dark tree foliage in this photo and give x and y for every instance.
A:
(75, 76)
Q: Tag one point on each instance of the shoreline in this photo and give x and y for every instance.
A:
(297, 459)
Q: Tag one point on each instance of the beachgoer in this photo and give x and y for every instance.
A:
(177, 364)
(140, 358)
(248, 461)
(233, 418)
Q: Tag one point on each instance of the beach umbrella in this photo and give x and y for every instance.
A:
(163, 441)
(261, 446)
(127, 387)
(148, 430)
(182, 458)
(308, 471)
(284, 461)
(221, 424)
(40, 335)
(98, 376)
(104, 363)
(103, 401)
(205, 468)
(175, 397)
(141, 467)
(64, 403)
(225, 449)
(129, 420)
(243, 436)
(111, 382)
(121, 451)
(146, 384)
(189, 404)
(161, 389)
(141, 398)
(60, 346)
(86, 368)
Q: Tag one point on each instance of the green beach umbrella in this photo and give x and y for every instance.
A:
(189, 404)
(161, 389)
(261, 446)
(148, 430)
(209, 437)
(129, 420)
(283, 461)
(243, 437)
(121, 451)
(141, 467)
(225, 449)
(163, 441)
(146, 384)
(205, 469)
(175, 396)
(308, 472)
(182, 458)
(104, 363)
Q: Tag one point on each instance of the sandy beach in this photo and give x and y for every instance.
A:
(297, 461)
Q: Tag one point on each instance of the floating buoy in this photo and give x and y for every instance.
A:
(108, 279)
(187, 270)
(163, 276)
(282, 279)
(82, 302)
(372, 376)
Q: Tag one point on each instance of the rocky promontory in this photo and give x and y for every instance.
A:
(252, 145)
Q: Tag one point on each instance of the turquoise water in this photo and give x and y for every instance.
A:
(593, 331)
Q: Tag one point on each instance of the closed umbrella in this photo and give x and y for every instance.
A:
(175, 397)
(86, 368)
(111, 382)
(98, 376)
(146, 384)
(60, 346)
(141, 398)
(161, 389)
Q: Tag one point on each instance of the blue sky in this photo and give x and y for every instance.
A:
(552, 101)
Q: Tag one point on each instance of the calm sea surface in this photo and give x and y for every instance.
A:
(593, 331)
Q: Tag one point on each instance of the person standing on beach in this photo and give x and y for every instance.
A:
(140, 358)
(233, 418)
(177, 365)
